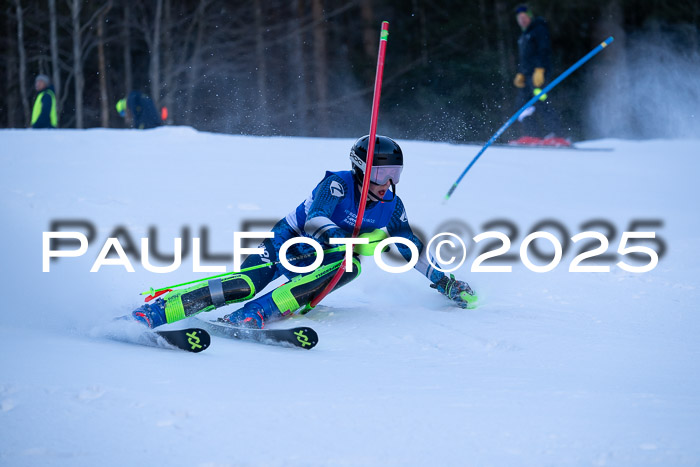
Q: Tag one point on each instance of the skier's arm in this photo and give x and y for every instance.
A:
(456, 290)
(399, 227)
(319, 225)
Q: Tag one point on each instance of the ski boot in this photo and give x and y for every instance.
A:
(151, 314)
(251, 316)
(254, 313)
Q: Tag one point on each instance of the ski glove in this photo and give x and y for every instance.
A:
(538, 77)
(519, 80)
(457, 291)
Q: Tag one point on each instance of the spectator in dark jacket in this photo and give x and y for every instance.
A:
(44, 111)
(534, 71)
(141, 109)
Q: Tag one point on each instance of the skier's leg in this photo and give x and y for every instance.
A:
(291, 296)
(551, 119)
(180, 304)
(528, 124)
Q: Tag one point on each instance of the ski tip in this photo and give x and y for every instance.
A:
(193, 340)
(307, 338)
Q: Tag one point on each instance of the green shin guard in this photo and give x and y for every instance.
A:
(180, 304)
(299, 292)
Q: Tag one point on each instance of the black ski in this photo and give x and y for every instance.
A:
(303, 337)
(192, 339)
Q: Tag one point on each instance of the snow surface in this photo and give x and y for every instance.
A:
(557, 368)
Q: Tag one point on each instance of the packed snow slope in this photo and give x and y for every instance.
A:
(555, 368)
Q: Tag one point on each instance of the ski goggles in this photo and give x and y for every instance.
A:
(383, 173)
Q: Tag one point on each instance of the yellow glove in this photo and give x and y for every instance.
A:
(374, 237)
(538, 77)
(519, 80)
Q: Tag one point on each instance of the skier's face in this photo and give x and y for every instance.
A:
(379, 190)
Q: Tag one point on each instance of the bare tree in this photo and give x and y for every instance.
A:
(22, 61)
(298, 67)
(168, 73)
(55, 64)
(104, 101)
(368, 27)
(10, 70)
(320, 64)
(194, 63)
(154, 62)
(260, 60)
(78, 77)
(501, 9)
(126, 39)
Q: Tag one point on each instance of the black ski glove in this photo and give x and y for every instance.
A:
(457, 291)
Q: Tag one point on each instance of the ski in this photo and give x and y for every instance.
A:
(191, 340)
(302, 337)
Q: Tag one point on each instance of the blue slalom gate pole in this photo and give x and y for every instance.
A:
(512, 119)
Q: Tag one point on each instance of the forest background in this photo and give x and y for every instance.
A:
(306, 67)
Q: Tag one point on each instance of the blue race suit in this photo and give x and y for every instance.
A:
(329, 212)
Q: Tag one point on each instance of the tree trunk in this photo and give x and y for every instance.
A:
(55, 64)
(502, 18)
(126, 40)
(78, 78)
(168, 87)
(10, 73)
(320, 67)
(22, 63)
(154, 64)
(104, 101)
(610, 88)
(369, 33)
(261, 75)
(298, 67)
(193, 71)
(485, 26)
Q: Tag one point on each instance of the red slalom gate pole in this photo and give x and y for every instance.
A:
(384, 35)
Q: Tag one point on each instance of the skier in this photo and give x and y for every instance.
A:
(329, 212)
(534, 68)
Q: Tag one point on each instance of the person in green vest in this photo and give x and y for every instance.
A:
(44, 112)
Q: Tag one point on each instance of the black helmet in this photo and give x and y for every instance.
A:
(387, 162)
(387, 153)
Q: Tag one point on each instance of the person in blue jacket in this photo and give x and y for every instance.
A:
(329, 212)
(44, 111)
(141, 109)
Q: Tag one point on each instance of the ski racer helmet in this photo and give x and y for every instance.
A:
(387, 162)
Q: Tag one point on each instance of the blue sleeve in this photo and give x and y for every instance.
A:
(399, 227)
(327, 195)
